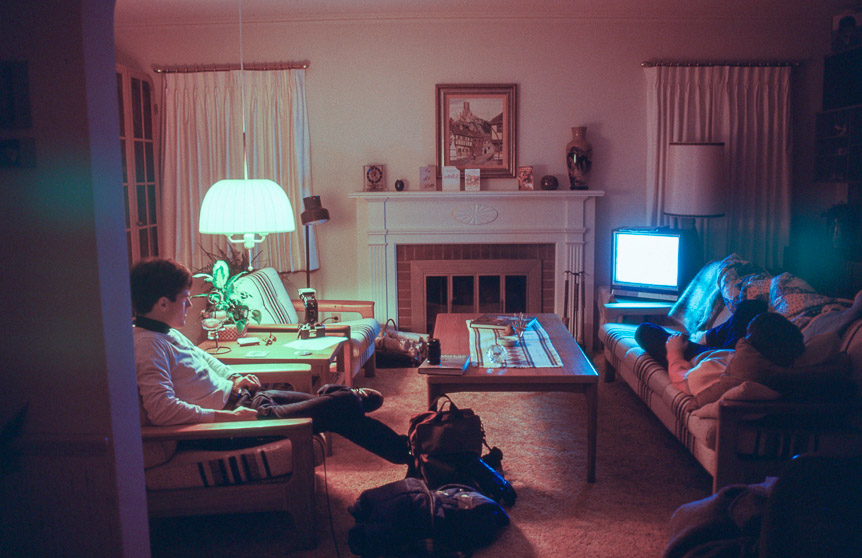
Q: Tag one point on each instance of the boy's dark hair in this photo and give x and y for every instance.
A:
(776, 338)
(153, 278)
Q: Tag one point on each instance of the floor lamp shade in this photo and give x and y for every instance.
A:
(696, 180)
(314, 213)
(246, 207)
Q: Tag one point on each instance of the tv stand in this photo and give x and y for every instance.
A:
(614, 309)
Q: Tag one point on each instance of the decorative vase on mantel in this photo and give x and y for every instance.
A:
(579, 158)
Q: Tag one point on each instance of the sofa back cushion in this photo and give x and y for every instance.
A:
(265, 291)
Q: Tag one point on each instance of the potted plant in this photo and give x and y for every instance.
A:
(223, 301)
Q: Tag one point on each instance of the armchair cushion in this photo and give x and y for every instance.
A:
(204, 468)
(265, 291)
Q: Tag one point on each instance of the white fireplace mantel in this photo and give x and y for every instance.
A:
(564, 218)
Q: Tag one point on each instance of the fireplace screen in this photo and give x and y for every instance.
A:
(513, 286)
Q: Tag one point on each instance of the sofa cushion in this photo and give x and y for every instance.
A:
(265, 291)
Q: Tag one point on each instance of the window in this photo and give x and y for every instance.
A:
(140, 177)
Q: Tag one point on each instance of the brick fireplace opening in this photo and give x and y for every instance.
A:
(525, 271)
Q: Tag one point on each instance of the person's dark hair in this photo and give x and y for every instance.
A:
(776, 338)
(153, 278)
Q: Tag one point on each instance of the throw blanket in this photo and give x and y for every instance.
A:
(728, 282)
(534, 350)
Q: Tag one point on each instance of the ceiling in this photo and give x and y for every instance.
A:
(174, 12)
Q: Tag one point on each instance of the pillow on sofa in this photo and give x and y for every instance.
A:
(265, 291)
(745, 391)
(822, 372)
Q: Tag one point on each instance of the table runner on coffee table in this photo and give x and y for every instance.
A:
(534, 350)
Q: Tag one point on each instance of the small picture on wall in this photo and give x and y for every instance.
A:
(846, 31)
(525, 178)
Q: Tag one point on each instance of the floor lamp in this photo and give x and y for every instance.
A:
(314, 214)
(695, 187)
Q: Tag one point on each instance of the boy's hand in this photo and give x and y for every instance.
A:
(250, 382)
(676, 343)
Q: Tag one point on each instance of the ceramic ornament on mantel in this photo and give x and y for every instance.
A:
(579, 158)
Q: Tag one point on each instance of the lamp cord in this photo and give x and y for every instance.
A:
(242, 96)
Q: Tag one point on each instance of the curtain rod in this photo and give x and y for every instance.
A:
(777, 63)
(260, 67)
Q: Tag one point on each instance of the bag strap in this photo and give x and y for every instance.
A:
(433, 406)
(394, 325)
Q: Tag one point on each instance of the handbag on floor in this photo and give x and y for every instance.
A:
(446, 444)
(399, 349)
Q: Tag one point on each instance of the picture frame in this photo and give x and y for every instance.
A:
(477, 128)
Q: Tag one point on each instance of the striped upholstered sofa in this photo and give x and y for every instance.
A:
(747, 434)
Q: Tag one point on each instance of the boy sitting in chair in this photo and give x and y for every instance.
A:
(180, 383)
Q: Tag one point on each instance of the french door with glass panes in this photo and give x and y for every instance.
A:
(140, 173)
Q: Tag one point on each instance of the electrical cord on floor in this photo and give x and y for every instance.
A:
(326, 492)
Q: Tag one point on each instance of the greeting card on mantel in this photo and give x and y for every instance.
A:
(471, 180)
(451, 179)
(427, 178)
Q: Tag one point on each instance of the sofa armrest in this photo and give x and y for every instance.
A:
(755, 438)
(365, 308)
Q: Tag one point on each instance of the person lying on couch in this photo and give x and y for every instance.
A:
(704, 370)
(180, 383)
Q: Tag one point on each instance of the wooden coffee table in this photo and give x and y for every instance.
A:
(576, 375)
(320, 360)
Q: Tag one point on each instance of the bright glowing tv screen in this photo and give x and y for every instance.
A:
(648, 263)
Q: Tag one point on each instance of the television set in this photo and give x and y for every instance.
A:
(651, 263)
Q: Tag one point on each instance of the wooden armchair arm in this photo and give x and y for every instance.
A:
(288, 428)
(296, 374)
(364, 308)
(342, 330)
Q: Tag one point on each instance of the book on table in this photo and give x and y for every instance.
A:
(492, 321)
(450, 365)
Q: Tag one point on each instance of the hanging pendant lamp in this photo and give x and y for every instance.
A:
(250, 208)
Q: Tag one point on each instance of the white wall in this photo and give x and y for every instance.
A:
(371, 95)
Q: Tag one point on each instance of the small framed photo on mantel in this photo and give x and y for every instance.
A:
(525, 178)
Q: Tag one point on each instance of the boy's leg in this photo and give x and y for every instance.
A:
(725, 336)
(341, 412)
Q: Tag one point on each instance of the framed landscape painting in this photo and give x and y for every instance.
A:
(477, 128)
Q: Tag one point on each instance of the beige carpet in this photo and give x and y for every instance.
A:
(643, 475)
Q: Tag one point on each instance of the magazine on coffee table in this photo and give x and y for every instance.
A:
(450, 365)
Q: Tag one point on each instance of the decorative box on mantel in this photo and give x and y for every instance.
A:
(564, 219)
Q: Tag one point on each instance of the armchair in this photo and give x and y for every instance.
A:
(235, 483)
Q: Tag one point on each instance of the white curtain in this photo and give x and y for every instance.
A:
(203, 143)
(747, 108)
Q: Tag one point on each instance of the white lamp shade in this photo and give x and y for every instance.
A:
(696, 180)
(246, 206)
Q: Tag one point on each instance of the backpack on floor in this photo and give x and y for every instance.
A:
(407, 519)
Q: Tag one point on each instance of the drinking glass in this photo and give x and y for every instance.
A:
(213, 322)
(497, 354)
